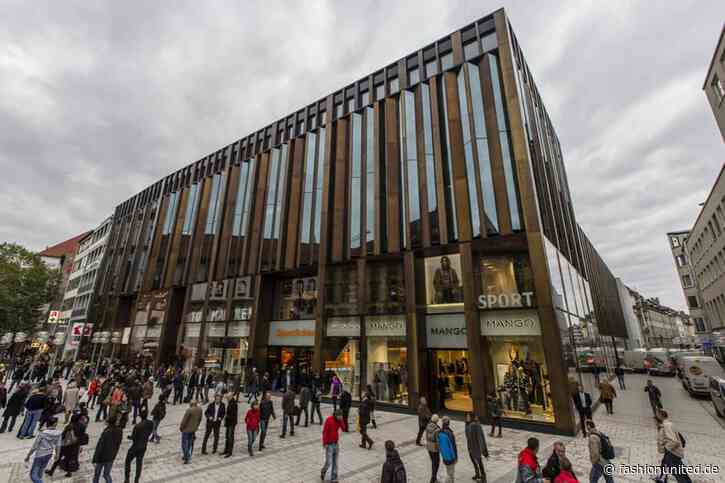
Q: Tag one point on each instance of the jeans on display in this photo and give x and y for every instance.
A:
(106, 469)
(31, 419)
(331, 453)
(39, 465)
(187, 445)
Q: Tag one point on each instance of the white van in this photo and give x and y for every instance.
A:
(696, 373)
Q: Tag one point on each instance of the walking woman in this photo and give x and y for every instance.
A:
(335, 391)
(252, 421)
(70, 447)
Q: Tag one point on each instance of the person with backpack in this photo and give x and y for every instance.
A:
(476, 445)
(70, 447)
(655, 397)
(345, 405)
(44, 446)
(330, 442)
(601, 453)
(140, 438)
(158, 413)
(315, 399)
(431, 445)
(671, 444)
(393, 468)
(448, 449)
(424, 415)
(528, 469)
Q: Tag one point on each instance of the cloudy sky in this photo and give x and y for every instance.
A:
(99, 99)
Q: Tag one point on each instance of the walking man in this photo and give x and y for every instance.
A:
(364, 418)
(158, 413)
(44, 446)
(596, 448)
(607, 393)
(494, 410)
(583, 405)
(315, 399)
(669, 443)
(305, 397)
(288, 409)
(431, 444)
(34, 409)
(214, 415)
(619, 372)
(424, 415)
(106, 450)
(476, 445)
(345, 405)
(189, 424)
(266, 411)
(231, 418)
(330, 438)
(655, 397)
(139, 441)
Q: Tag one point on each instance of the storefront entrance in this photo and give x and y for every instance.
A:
(450, 380)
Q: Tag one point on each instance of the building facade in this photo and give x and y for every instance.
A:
(714, 86)
(412, 231)
(689, 282)
(659, 324)
(627, 298)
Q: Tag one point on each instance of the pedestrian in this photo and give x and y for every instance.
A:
(600, 454)
(201, 386)
(231, 418)
(528, 469)
(305, 396)
(106, 450)
(583, 405)
(266, 411)
(158, 413)
(253, 387)
(188, 427)
(619, 372)
(495, 412)
(335, 390)
(424, 415)
(448, 449)
(147, 392)
(431, 444)
(139, 441)
(315, 399)
(209, 384)
(345, 405)
(34, 409)
(3, 393)
(70, 447)
(134, 393)
(672, 445)
(13, 409)
(214, 415)
(288, 408)
(393, 468)
(553, 464)
(178, 383)
(477, 447)
(370, 395)
(655, 397)
(104, 399)
(566, 475)
(251, 419)
(71, 397)
(364, 420)
(330, 442)
(44, 446)
(607, 393)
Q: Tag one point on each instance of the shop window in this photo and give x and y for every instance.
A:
(444, 289)
(296, 299)
(341, 353)
(506, 281)
(341, 289)
(387, 361)
(386, 291)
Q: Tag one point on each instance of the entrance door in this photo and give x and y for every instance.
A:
(451, 380)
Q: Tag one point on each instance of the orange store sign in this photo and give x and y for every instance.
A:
(295, 333)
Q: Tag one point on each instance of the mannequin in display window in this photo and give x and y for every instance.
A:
(381, 382)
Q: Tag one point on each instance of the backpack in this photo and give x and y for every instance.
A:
(606, 449)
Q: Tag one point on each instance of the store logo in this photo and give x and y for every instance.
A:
(523, 299)
(295, 333)
(523, 323)
(448, 331)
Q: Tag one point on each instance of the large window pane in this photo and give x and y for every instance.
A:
(170, 213)
(249, 193)
(309, 187)
(429, 162)
(409, 167)
(281, 192)
(468, 152)
(269, 204)
(448, 169)
(239, 201)
(356, 184)
(370, 201)
(190, 209)
(213, 214)
(318, 186)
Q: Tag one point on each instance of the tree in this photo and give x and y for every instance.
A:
(26, 284)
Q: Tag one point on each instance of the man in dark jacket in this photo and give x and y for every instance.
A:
(214, 415)
(14, 408)
(231, 418)
(158, 413)
(305, 397)
(193, 382)
(103, 396)
(288, 409)
(266, 411)
(494, 411)
(476, 445)
(140, 438)
(553, 464)
(583, 405)
(393, 468)
(315, 399)
(364, 415)
(655, 397)
(345, 405)
(424, 415)
(134, 392)
(34, 407)
(106, 450)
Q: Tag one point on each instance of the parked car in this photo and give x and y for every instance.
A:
(717, 394)
(677, 359)
(696, 374)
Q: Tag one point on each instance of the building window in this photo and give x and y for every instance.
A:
(448, 167)
(675, 242)
(686, 281)
(468, 152)
(351, 105)
(489, 42)
(380, 92)
(387, 361)
(692, 301)
(431, 69)
(446, 61)
(429, 163)
(356, 186)
(409, 170)
(370, 179)
(296, 299)
(318, 188)
(413, 76)
(190, 210)
(681, 260)
(386, 291)
(365, 98)
(244, 195)
(170, 213)
(444, 286)
(341, 291)
(309, 188)
(470, 50)
(506, 282)
(213, 216)
(394, 85)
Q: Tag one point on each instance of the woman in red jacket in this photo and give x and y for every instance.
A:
(252, 421)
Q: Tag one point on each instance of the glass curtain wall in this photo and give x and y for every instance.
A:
(448, 166)
(370, 179)
(431, 175)
(410, 190)
(356, 186)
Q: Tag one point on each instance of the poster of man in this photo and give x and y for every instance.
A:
(443, 281)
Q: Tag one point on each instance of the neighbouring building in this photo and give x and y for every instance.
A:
(705, 247)
(688, 282)
(627, 297)
(714, 86)
(658, 323)
(412, 231)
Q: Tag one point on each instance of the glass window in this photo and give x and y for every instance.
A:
(470, 50)
(468, 152)
(341, 291)
(489, 42)
(269, 205)
(365, 98)
(506, 282)
(484, 159)
(512, 193)
(686, 281)
(296, 299)
(429, 162)
(380, 92)
(446, 61)
(431, 68)
(413, 76)
(394, 85)
(213, 216)
(448, 168)
(675, 242)
(239, 202)
(323, 118)
(341, 356)
(351, 105)
(409, 169)
(318, 186)
(309, 187)
(281, 192)
(338, 111)
(386, 290)
(444, 288)
(170, 213)
(387, 366)
(356, 185)
(190, 209)
(370, 201)
(249, 193)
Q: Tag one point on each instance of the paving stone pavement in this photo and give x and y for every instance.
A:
(299, 458)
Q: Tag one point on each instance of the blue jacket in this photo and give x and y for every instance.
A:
(447, 445)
